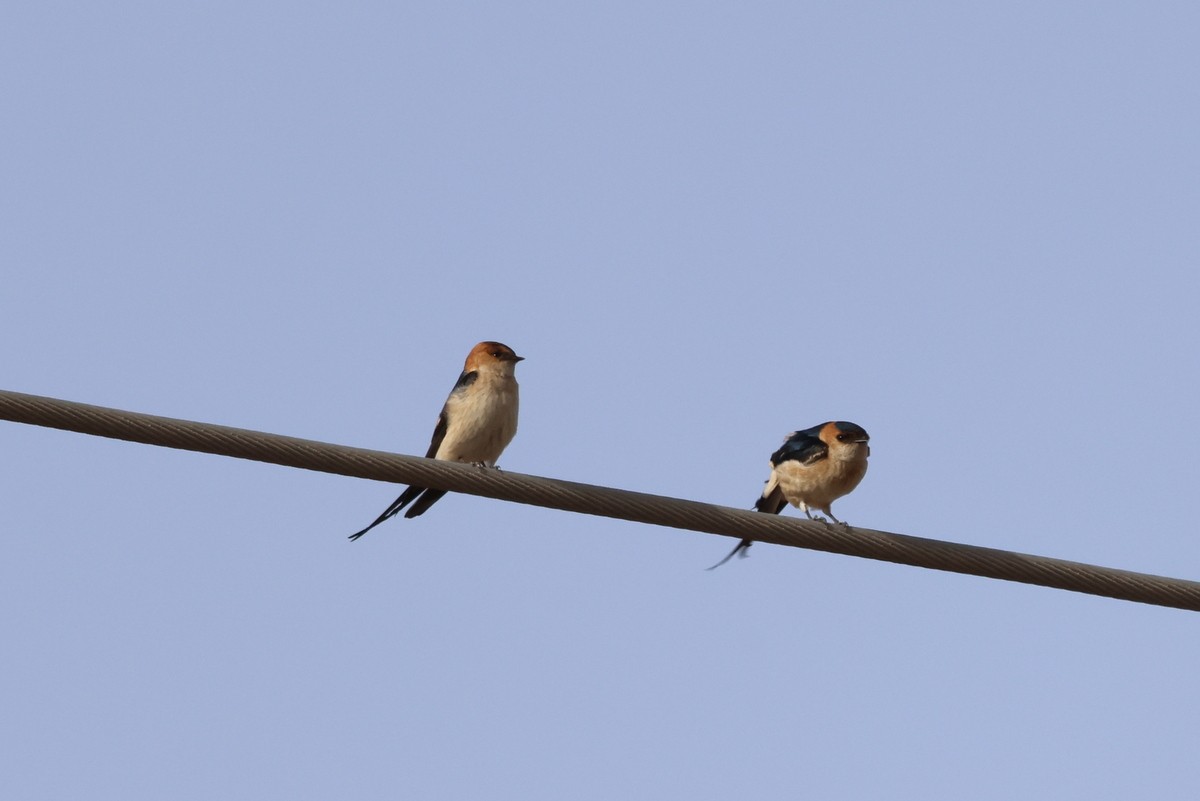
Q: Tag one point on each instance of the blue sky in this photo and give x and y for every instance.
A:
(971, 230)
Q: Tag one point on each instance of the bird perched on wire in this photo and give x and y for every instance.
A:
(477, 422)
(812, 469)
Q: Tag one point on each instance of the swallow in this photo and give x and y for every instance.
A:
(811, 470)
(477, 422)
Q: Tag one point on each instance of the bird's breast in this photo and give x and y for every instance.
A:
(481, 422)
(821, 483)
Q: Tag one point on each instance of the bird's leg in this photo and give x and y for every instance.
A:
(811, 516)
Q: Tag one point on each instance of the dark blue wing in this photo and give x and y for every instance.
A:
(804, 447)
(439, 432)
(465, 380)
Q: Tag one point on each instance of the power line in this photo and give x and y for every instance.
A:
(604, 501)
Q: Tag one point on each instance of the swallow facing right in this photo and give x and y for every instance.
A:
(812, 469)
(477, 422)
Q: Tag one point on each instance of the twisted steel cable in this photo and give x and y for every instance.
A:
(594, 500)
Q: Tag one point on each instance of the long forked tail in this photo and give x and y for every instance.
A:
(405, 499)
(742, 550)
(427, 499)
(772, 503)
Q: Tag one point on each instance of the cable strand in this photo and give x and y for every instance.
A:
(595, 500)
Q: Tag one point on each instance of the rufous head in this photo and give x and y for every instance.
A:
(491, 355)
(846, 440)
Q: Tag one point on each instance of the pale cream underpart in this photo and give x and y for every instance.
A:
(482, 421)
(818, 485)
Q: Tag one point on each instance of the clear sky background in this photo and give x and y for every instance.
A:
(971, 229)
